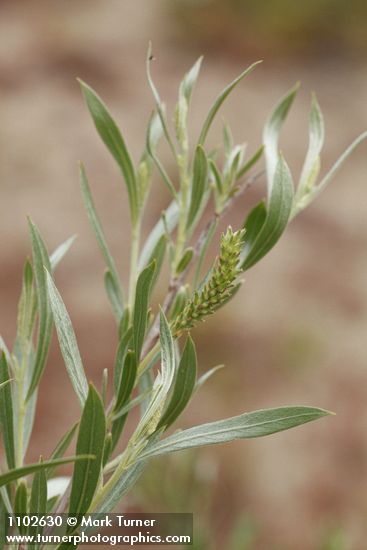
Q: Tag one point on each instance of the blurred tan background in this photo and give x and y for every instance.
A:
(297, 333)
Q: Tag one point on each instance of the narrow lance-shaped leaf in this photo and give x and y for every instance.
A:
(127, 381)
(20, 504)
(184, 385)
(58, 254)
(316, 141)
(316, 190)
(271, 133)
(30, 409)
(162, 384)
(100, 238)
(190, 79)
(17, 473)
(157, 255)
(91, 436)
(152, 153)
(40, 261)
(38, 500)
(3, 524)
(157, 99)
(160, 228)
(120, 356)
(277, 217)
(253, 225)
(68, 344)
(111, 136)
(220, 99)
(123, 393)
(62, 446)
(138, 400)
(206, 376)
(143, 288)
(245, 426)
(6, 412)
(113, 295)
(27, 310)
(185, 260)
(251, 162)
(199, 180)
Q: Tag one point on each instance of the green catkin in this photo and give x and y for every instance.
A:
(217, 289)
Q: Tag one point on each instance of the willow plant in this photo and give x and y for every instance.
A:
(155, 367)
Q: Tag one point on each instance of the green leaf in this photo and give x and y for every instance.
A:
(206, 376)
(199, 180)
(181, 298)
(124, 323)
(220, 99)
(162, 384)
(250, 163)
(217, 177)
(206, 242)
(38, 500)
(119, 486)
(160, 228)
(111, 136)
(91, 436)
(30, 407)
(185, 260)
(17, 473)
(104, 386)
(157, 99)
(245, 426)
(127, 381)
(58, 254)
(20, 504)
(123, 392)
(154, 131)
(116, 429)
(40, 261)
(277, 217)
(316, 141)
(62, 446)
(150, 147)
(68, 343)
(271, 133)
(316, 190)
(120, 356)
(157, 255)
(101, 240)
(3, 524)
(6, 412)
(190, 79)
(143, 288)
(107, 450)
(132, 403)
(114, 295)
(27, 310)
(184, 385)
(253, 225)
(20, 501)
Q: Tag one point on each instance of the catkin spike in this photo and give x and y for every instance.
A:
(217, 289)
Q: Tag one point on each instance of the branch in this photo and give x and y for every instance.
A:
(176, 282)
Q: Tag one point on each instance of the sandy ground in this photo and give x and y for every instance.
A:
(297, 333)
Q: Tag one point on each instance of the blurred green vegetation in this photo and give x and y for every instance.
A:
(189, 483)
(310, 28)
